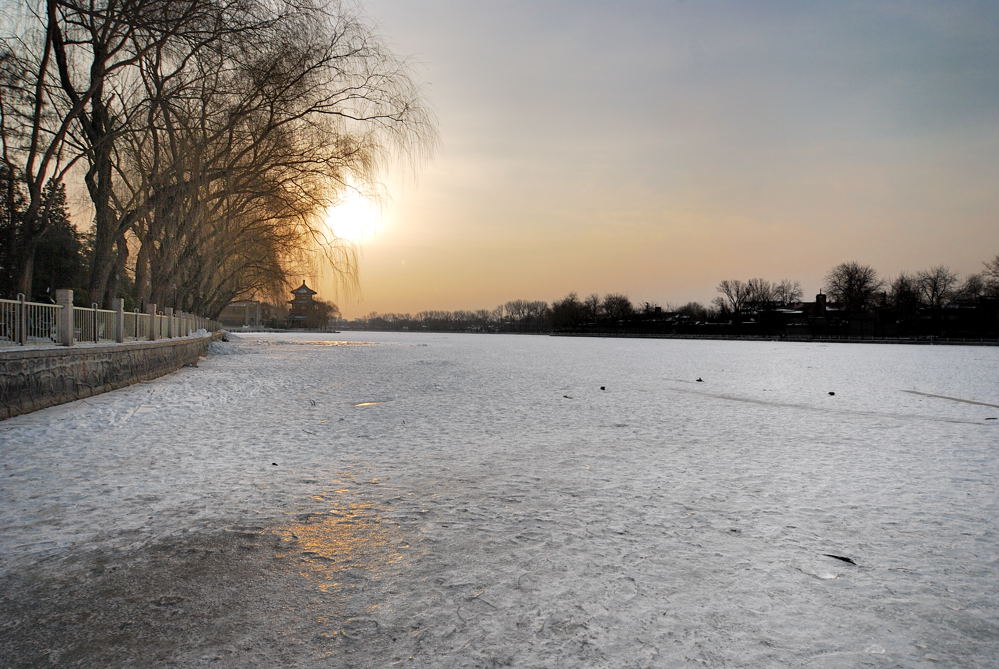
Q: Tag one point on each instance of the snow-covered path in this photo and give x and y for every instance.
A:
(362, 499)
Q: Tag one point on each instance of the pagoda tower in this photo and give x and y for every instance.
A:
(302, 308)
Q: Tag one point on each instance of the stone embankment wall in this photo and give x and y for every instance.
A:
(35, 378)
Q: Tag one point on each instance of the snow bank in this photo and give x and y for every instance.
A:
(230, 347)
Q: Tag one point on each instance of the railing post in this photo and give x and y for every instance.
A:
(64, 298)
(169, 316)
(21, 321)
(94, 320)
(119, 319)
(151, 310)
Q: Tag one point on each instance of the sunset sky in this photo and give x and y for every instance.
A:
(655, 148)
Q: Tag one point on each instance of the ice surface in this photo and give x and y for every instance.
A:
(473, 500)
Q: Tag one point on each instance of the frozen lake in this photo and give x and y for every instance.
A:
(364, 499)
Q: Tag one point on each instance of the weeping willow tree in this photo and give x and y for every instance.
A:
(216, 134)
(250, 148)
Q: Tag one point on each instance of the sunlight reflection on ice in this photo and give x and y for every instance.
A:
(348, 543)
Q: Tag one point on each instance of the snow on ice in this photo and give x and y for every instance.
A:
(365, 499)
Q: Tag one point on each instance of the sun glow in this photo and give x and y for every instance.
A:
(355, 218)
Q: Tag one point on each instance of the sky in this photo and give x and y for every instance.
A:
(656, 148)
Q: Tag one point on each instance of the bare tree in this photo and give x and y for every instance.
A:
(215, 134)
(569, 312)
(787, 292)
(905, 297)
(617, 307)
(734, 294)
(695, 311)
(516, 309)
(991, 276)
(537, 311)
(33, 134)
(98, 46)
(973, 287)
(904, 292)
(853, 285)
(262, 147)
(760, 293)
(936, 285)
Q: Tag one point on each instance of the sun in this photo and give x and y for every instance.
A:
(355, 218)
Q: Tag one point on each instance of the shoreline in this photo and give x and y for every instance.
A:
(917, 341)
(809, 339)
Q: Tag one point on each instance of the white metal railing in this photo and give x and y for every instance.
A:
(130, 325)
(26, 323)
(42, 322)
(105, 324)
(8, 322)
(93, 325)
(83, 324)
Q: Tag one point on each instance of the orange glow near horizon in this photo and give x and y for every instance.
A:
(720, 144)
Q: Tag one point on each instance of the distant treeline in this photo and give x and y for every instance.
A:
(856, 302)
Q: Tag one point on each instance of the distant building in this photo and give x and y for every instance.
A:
(246, 313)
(303, 308)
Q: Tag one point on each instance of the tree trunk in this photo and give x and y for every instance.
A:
(142, 288)
(98, 180)
(26, 268)
(121, 259)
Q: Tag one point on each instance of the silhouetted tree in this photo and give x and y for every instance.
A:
(904, 292)
(721, 308)
(936, 285)
(568, 312)
(57, 247)
(11, 209)
(516, 310)
(734, 294)
(538, 314)
(759, 293)
(213, 134)
(973, 287)
(905, 298)
(617, 307)
(853, 286)
(787, 292)
(60, 260)
(695, 311)
(991, 277)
